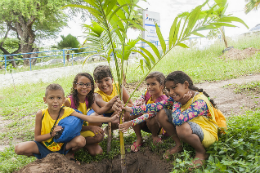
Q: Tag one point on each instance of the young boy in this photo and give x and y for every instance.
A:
(45, 129)
(107, 90)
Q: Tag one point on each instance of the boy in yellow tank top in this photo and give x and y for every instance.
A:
(106, 90)
(46, 129)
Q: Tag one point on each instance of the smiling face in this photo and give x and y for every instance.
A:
(177, 91)
(54, 99)
(154, 87)
(105, 85)
(83, 86)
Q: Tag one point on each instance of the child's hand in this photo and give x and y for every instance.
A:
(187, 96)
(115, 118)
(125, 126)
(139, 102)
(56, 130)
(113, 100)
(127, 109)
(95, 129)
(117, 106)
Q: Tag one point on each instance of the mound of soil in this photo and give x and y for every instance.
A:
(141, 162)
(237, 54)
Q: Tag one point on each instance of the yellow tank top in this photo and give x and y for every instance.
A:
(106, 97)
(83, 108)
(47, 124)
(207, 123)
(149, 101)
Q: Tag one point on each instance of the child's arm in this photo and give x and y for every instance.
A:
(197, 108)
(124, 126)
(126, 97)
(37, 131)
(96, 119)
(107, 106)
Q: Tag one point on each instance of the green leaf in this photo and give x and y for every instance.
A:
(182, 45)
(232, 19)
(148, 64)
(172, 32)
(197, 34)
(149, 54)
(142, 64)
(92, 3)
(223, 24)
(156, 51)
(159, 34)
(111, 5)
(175, 36)
(91, 10)
(136, 25)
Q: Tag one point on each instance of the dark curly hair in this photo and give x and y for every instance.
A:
(74, 92)
(101, 72)
(181, 77)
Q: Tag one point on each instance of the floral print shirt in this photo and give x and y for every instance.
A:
(197, 108)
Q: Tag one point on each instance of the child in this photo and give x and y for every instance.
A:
(107, 89)
(82, 98)
(191, 121)
(148, 123)
(45, 129)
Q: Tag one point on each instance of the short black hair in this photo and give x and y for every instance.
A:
(101, 72)
(53, 87)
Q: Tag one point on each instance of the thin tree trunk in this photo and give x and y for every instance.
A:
(223, 36)
(109, 137)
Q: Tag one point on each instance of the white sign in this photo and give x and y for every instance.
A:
(149, 20)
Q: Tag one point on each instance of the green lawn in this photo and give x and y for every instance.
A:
(238, 151)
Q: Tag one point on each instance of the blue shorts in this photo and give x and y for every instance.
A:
(91, 111)
(45, 151)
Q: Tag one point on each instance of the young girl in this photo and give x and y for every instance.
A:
(191, 121)
(82, 98)
(148, 122)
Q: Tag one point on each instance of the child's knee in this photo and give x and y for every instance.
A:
(183, 130)
(97, 151)
(161, 115)
(80, 141)
(18, 149)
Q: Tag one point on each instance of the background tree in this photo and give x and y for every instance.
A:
(69, 42)
(217, 13)
(30, 20)
(252, 4)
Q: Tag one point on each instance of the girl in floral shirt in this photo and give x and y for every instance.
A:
(191, 121)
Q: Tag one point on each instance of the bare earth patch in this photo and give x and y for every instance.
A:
(237, 54)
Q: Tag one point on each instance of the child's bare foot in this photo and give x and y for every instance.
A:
(198, 160)
(157, 140)
(174, 150)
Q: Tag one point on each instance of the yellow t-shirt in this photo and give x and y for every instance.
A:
(207, 124)
(47, 124)
(106, 97)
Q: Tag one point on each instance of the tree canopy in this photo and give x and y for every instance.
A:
(29, 20)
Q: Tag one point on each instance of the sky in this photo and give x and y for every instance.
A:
(168, 10)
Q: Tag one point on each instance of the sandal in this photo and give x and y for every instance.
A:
(136, 147)
(75, 160)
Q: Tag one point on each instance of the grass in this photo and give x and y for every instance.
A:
(21, 104)
(252, 87)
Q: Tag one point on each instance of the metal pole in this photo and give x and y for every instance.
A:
(30, 64)
(72, 59)
(5, 62)
(63, 57)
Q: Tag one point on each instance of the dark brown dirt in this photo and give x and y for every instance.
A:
(140, 162)
(237, 54)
